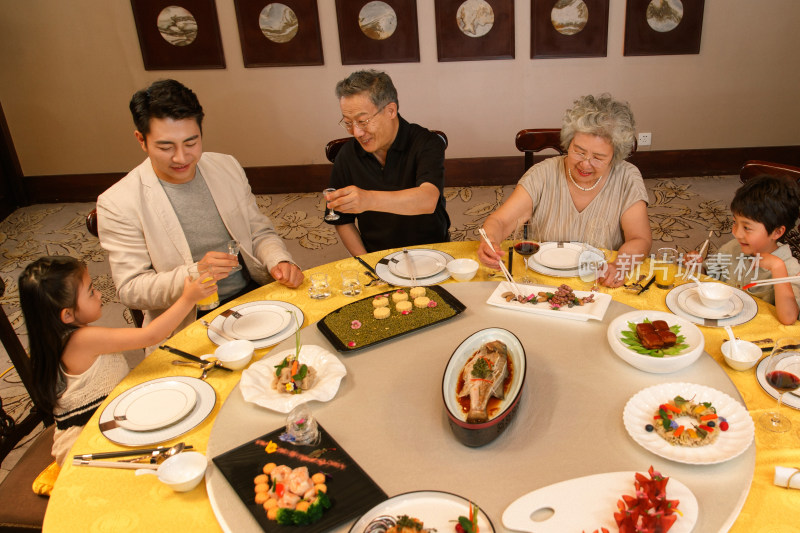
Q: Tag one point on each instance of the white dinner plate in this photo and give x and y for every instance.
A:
(748, 312)
(573, 272)
(424, 264)
(436, 510)
(285, 333)
(256, 382)
(690, 301)
(588, 503)
(791, 399)
(257, 322)
(641, 408)
(559, 255)
(206, 399)
(384, 272)
(154, 405)
(594, 310)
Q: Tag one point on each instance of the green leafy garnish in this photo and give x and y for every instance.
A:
(481, 369)
(281, 366)
(631, 340)
(406, 521)
(679, 401)
(301, 373)
(288, 517)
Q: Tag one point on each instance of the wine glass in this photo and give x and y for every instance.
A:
(233, 250)
(526, 243)
(594, 256)
(783, 374)
(331, 214)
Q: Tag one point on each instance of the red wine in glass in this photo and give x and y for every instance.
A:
(526, 248)
(783, 381)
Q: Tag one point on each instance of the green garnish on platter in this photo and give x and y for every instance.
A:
(481, 369)
(631, 340)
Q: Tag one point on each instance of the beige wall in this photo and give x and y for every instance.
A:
(69, 68)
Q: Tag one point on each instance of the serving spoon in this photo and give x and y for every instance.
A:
(732, 342)
(700, 286)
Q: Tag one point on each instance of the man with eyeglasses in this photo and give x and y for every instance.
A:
(389, 179)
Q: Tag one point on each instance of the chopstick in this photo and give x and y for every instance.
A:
(705, 244)
(366, 265)
(191, 357)
(503, 268)
(126, 453)
(216, 330)
(773, 281)
(114, 464)
(411, 270)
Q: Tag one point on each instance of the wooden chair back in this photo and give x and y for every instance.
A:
(754, 168)
(535, 140)
(333, 147)
(91, 225)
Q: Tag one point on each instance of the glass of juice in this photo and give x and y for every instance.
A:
(664, 267)
(209, 302)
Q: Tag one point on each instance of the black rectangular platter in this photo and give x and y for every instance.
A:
(392, 331)
(351, 491)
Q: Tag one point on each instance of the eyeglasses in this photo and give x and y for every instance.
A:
(362, 124)
(594, 161)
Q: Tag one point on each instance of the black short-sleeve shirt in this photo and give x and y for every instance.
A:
(415, 157)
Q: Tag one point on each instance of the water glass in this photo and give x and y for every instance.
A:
(351, 285)
(209, 302)
(233, 249)
(320, 288)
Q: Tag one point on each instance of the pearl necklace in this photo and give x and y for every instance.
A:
(569, 172)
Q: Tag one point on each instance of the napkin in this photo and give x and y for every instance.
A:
(782, 475)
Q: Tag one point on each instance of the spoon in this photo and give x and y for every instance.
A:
(732, 342)
(700, 286)
(158, 456)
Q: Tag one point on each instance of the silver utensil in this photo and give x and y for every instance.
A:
(412, 272)
(126, 453)
(216, 330)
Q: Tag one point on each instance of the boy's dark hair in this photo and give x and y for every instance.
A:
(771, 200)
(165, 99)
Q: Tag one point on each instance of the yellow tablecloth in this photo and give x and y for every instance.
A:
(100, 499)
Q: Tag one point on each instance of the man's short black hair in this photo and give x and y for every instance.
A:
(165, 99)
(771, 200)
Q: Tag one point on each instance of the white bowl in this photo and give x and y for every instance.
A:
(235, 354)
(656, 365)
(462, 269)
(747, 354)
(714, 294)
(183, 471)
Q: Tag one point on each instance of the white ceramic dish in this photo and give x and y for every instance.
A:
(206, 398)
(181, 472)
(383, 271)
(748, 312)
(257, 322)
(690, 301)
(715, 295)
(588, 504)
(591, 311)
(256, 383)
(640, 409)
(656, 365)
(155, 405)
(747, 354)
(235, 354)
(583, 254)
(435, 509)
(559, 255)
(424, 263)
(266, 342)
(463, 269)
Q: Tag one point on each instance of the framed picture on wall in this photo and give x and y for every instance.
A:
(663, 27)
(474, 29)
(378, 31)
(278, 34)
(569, 28)
(178, 34)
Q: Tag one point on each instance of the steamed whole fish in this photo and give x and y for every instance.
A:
(482, 378)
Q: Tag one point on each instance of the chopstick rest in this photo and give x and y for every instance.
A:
(788, 478)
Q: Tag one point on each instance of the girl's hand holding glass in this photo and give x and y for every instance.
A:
(198, 289)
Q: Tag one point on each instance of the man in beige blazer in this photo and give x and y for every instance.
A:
(180, 207)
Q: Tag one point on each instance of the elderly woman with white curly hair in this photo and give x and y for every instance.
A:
(592, 185)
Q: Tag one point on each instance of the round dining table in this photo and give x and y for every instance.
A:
(388, 414)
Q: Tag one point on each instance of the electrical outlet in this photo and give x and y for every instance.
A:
(645, 139)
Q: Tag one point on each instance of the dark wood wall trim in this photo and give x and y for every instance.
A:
(461, 172)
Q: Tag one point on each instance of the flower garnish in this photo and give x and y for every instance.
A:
(355, 324)
(351, 344)
(271, 447)
(432, 304)
(405, 312)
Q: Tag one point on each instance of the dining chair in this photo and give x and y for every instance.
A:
(91, 225)
(333, 147)
(535, 140)
(754, 168)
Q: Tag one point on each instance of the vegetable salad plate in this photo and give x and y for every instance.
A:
(205, 399)
(588, 503)
(350, 490)
(436, 510)
(265, 323)
(562, 259)
(590, 311)
(430, 267)
(676, 300)
(642, 407)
